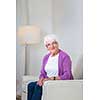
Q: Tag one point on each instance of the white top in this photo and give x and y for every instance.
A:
(52, 66)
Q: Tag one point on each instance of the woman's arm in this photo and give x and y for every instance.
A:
(67, 74)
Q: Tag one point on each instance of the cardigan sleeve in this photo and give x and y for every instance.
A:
(66, 69)
(42, 71)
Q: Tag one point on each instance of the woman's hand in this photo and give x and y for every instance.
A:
(40, 82)
(58, 78)
(51, 78)
(46, 79)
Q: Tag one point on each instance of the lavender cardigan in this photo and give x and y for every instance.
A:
(64, 66)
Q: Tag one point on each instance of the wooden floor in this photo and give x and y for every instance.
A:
(18, 97)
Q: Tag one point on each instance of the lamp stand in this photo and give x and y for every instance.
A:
(26, 69)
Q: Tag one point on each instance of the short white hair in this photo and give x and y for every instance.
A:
(49, 38)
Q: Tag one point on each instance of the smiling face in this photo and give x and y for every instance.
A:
(53, 47)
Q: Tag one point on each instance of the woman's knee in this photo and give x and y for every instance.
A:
(38, 88)
(31, 85)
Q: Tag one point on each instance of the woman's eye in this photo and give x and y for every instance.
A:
(54, 42)
(47, 45)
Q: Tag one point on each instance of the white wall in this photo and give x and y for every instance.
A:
(67, 24)
(61, 17)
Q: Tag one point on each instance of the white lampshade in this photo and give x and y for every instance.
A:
(29, 34)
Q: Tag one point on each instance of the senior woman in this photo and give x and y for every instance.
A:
(56, 65)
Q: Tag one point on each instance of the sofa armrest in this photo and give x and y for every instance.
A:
(26, 80)
(63, 90)
(29, 78)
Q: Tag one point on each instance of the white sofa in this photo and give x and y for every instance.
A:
(57, 90)
(63, 90)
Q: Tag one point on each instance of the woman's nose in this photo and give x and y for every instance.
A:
(52, 46)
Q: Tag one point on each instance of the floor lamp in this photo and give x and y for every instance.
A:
(28, 35)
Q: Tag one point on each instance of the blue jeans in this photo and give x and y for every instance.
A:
(34, 91)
